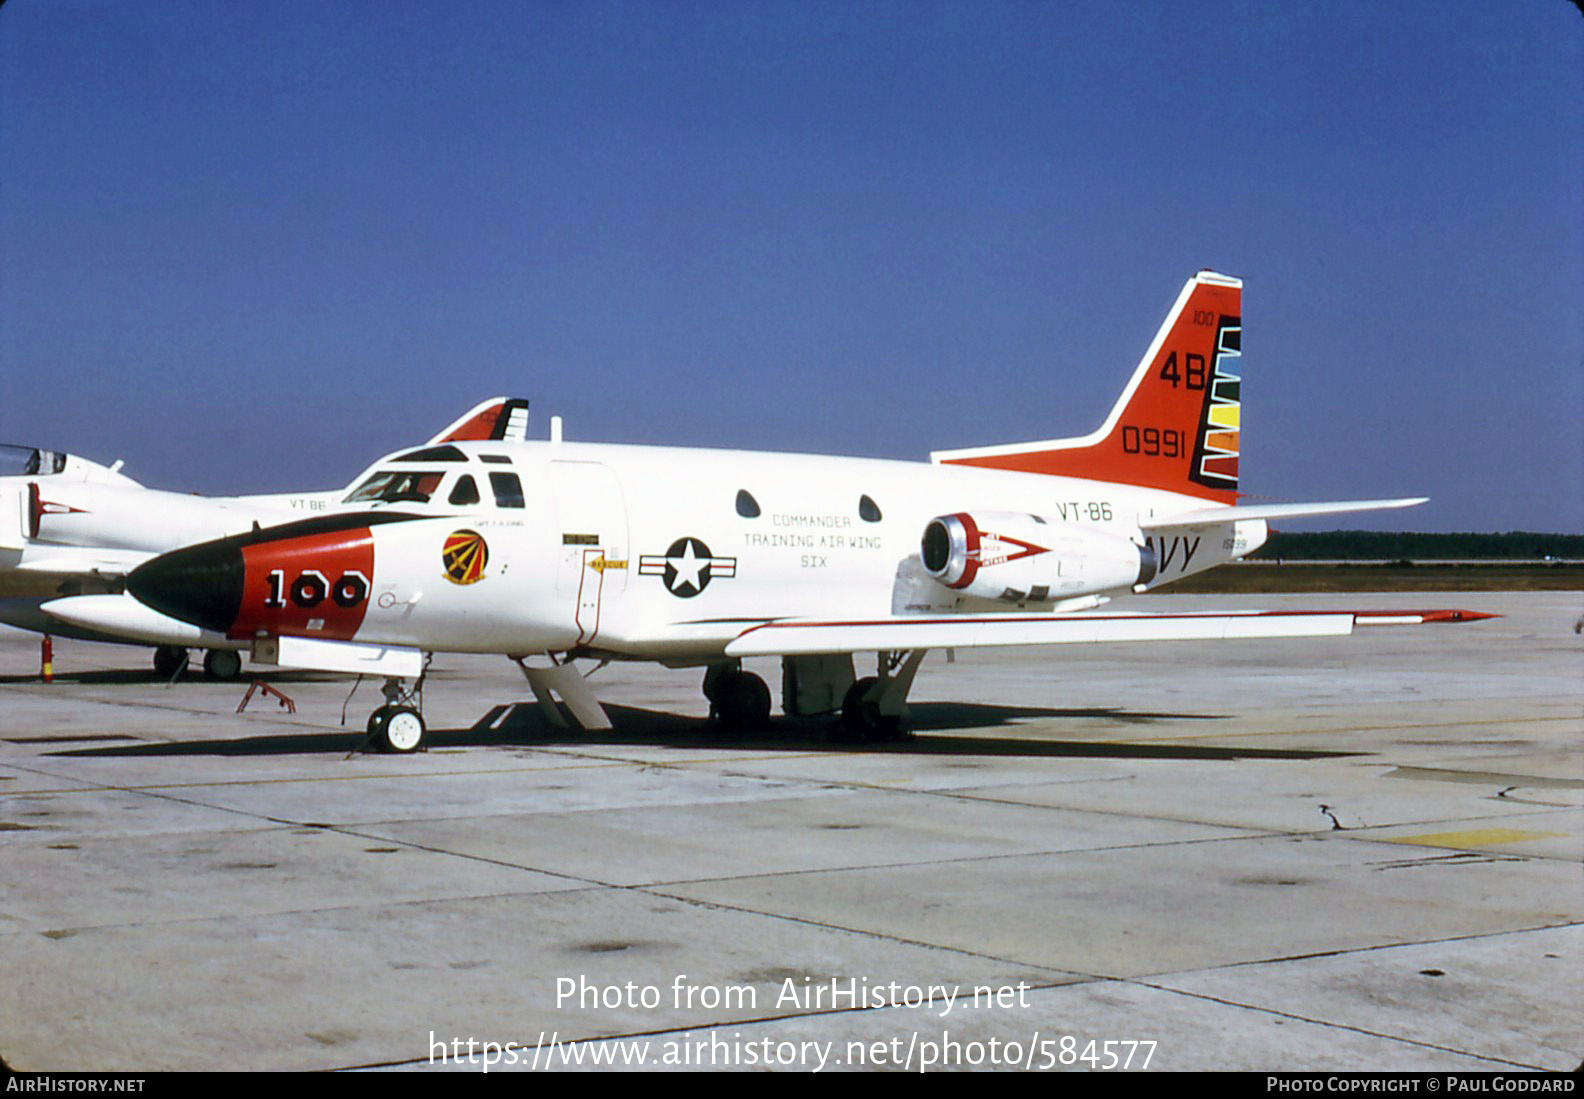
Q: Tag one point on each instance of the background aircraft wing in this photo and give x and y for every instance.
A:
(89, 568)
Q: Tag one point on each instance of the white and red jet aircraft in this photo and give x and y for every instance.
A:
(69, 525)
(555, 551)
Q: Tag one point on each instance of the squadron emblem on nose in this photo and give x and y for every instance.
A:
(464, 557)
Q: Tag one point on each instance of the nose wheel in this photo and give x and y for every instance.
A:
(397, 729)
(398, 726)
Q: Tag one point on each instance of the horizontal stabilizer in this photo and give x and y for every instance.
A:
(1201, 517)
(791, 637)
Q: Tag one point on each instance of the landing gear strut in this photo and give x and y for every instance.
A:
(875, 707)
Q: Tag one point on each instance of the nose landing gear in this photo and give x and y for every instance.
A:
(398, 726)
(398, 729)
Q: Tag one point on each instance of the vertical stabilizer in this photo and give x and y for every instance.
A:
(1176, 426)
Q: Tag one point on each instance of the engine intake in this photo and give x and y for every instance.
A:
(1016, 557)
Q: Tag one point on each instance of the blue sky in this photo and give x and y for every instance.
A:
(249, 246)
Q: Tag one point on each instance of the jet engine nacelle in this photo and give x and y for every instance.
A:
(1021, 558)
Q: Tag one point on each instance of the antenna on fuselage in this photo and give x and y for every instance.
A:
(555, 429)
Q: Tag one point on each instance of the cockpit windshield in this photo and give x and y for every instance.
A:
(27, 461)
(396, 486)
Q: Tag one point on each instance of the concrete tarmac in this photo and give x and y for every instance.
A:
(1357, 853)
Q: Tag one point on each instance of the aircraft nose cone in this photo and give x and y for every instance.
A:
(198, 584)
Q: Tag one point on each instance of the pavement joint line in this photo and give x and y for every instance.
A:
(1376, 728)
(593, 762)
(1366, 1031)
(723, 878)
(657, 889)
(764, 1020)
(1346, 951)
(859, 932)
(850, 868)
(972, 794)
(958, 793)
(1151, 983)
(1140, 982)
(589, 884)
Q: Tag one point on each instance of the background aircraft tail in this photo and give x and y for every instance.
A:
(1176, 425)
(499, 418)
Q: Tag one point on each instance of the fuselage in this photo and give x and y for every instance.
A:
(668, 553)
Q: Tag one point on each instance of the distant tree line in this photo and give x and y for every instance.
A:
(1370, 545)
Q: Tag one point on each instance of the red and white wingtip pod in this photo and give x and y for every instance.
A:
(1416, 618)
(1022, 558)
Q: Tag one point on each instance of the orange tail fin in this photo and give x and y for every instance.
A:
(1176, 425)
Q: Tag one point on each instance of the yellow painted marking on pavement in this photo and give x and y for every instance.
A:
(1474, 837)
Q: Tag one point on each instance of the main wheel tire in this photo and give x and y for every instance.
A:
(397, 729)
(862, 719)
(170, 661)
(222, 664)
(741, 701)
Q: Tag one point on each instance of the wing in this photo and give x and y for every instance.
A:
(796, 636)
(1216, 515)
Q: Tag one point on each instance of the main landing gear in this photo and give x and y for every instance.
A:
(738, 699)
(861, 717)
(398, 726)
(171, 661)
(872, 709)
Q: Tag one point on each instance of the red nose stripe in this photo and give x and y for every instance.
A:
(314, 586)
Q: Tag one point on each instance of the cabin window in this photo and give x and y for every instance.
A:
(868, 510)
(508, 490)
(465, 493)
(495, 459)
(747, 506)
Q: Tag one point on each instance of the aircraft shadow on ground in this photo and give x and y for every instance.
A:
(523, 725)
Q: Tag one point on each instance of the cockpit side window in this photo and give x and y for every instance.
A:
(465, 492)
(396, 486)
(507, 488)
